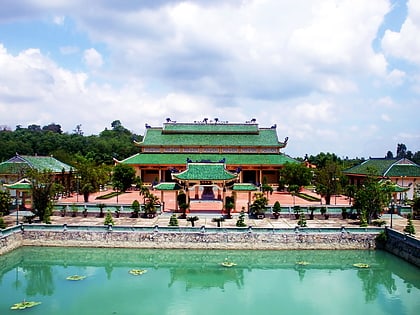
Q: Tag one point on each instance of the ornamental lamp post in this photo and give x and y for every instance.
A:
(17, 209)
(392, 210)
(77, 187)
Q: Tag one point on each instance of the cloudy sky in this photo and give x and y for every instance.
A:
(336, 76)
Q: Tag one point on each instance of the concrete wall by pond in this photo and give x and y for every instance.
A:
(403, 246)
(190, 240)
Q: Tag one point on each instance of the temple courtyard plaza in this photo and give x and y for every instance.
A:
(201, 209)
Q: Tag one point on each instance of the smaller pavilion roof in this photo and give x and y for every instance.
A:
(168, 186)
(23, 184)
(205, 172)
(395, 187)
(244, 187)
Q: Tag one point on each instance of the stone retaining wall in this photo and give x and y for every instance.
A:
(222, 240)
(10, 242)
(404, 246)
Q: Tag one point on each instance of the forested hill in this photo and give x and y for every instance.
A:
(116, 142)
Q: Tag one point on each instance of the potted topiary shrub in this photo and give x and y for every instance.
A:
(257, 208)
(324, 212)
(276, 210)
(241, 219)
(108, 218)
(101, 207)
(181, 199)
(183, 207)
(229, 205)
(297, 211)
(344, 213)
(218, 220)
(192, 220)
(311, 215)
(409, 228)
(136, 209)
(173, 221)
(117, 212)
(302, 220)
(150, 205)
(63, 211)
(74, 210)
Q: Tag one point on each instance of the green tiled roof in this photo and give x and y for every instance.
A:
(265, 137)
(403, 170)
(210, 128)
(13, 168)
(46, 163)
(168, 186)
(386, 167)
(244, 187)
(205, 172)
(231, 159)
(20, 163)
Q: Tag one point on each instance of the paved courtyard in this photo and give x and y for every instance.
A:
(206, 211)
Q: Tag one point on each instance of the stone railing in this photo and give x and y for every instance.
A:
(191, 238)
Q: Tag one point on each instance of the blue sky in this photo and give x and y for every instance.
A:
(336, 76)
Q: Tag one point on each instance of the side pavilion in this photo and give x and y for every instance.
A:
(403, 172)
(205, 178)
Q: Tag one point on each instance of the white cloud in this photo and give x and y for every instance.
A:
(405, 44)
(338, 35)
(385, 117)
(385, 101)
(319, 113)
(308, 66)
(232, 49)
(92, 58)
(68, 50)
(59, 20)
(396, 77)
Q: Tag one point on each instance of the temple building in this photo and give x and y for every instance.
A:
(16, 168)
(13, 173)
(401, 171)
(245, 149)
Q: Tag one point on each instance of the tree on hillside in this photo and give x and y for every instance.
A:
(90, 175)
(372, 197)
(43, 190)
(5, 202)
(123, 176)
(327, 180)
(296, 174)
(321, 159)
(401, 150)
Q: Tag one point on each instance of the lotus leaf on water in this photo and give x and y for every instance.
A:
(24, 304)
(75, 277)
(228, 264)
(137, 272)
(361, 265)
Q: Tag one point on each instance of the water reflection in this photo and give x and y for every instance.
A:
(33, 269)
(206, 278)
(372, 279)
(39, 280)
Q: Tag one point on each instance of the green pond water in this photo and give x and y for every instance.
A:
(193, 282)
